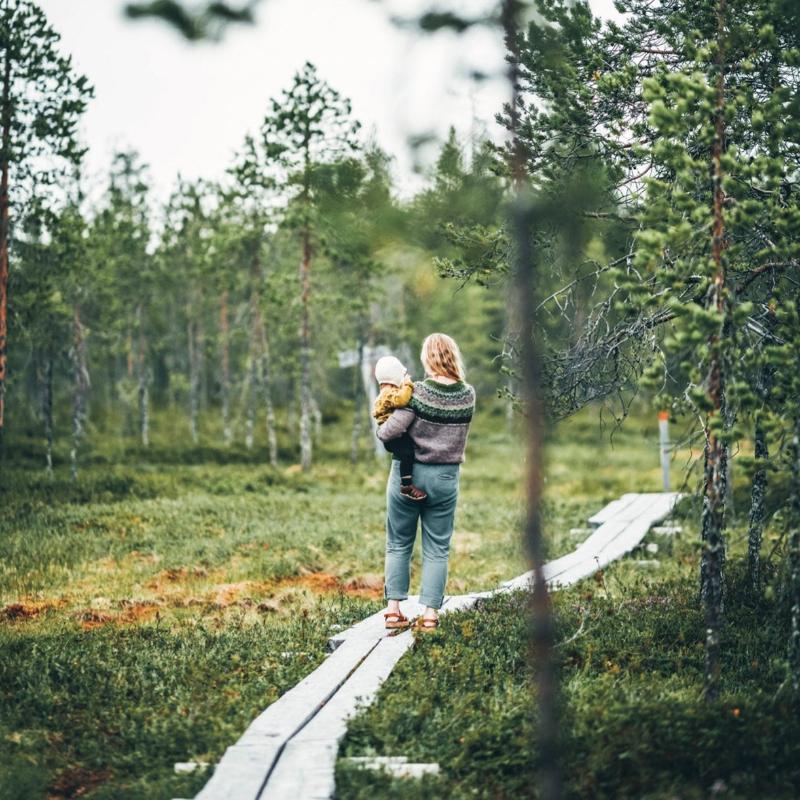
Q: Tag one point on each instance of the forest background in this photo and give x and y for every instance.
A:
(645, 201)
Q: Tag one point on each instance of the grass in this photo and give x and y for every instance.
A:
(633, 725)
(150, 611)
(630, 659)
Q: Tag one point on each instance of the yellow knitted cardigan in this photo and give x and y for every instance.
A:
(390, 398)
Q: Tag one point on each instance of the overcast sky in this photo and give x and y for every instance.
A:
(186, 107)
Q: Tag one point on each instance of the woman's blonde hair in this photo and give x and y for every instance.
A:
(440, 356)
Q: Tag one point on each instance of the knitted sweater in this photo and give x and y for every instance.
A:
(437, 419)
(390, 398)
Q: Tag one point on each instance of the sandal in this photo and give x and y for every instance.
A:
(413, 493)
(426, 624)
(399, 620)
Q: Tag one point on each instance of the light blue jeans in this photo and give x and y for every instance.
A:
(436, 513)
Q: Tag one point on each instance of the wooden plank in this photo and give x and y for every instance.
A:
(290, 749)
(632, 506)
(305, 770)
(373, 626)
(649, 509)
(583, 555)
(245, 765)
(647, 504)
(241, 772)
(460, 602)
(610, 510)
(621, 533)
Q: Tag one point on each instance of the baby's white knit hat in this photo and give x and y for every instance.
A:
(390, 370)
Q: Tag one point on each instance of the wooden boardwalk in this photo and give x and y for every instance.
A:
(289, 751)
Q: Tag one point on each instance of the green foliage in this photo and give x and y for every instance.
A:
(630, 652)
(127, 703)
(43, 97)
(207, 22)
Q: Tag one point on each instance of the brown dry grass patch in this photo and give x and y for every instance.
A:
(28, 609)
(76, 782)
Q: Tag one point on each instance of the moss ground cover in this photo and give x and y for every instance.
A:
(149, 612)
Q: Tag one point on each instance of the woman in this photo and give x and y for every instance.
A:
(437, 419)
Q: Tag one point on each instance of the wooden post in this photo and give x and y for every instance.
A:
(663, 440)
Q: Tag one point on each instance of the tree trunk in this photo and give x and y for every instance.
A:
(729, 418)
(5, 145)
(371, 392)
(358, 410)
(80, 388)
(794, 563)
(194, 380)
(265, 377)
(200, 354)
(759, 487)
(524, 262)
(261, 376)
(291, 409)
(266, 389)
(225, 371)
(252, 394)
(715, 485)
(143, 383)
(305, 354)
(46, 399)
(757, 507)
(316, 414)
(704, 521)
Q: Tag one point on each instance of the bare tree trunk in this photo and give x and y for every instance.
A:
(225, 371)
(368, 362)
(305, 354)
(252, 394)
(143, 383)
(260, 375)
(524, 261)
(80, 388)
(194, 379)
(759, 487)
(5, 122)
(794, 563)
(705, 519)
(111, 382)
(200, 352)
(715, 486)
(46, 399)
(128, 424)
(266, 389)
(757, 507)
(291, 409)
(358, 410)
(316, 414)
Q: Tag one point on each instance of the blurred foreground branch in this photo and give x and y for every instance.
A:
(195, 22)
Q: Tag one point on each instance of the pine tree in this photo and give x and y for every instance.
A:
(308, 126)
(251, 197)
(41, 101)
(186, 251)
(119, 240)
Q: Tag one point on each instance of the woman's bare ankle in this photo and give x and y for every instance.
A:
(393, 606)
(431, 613)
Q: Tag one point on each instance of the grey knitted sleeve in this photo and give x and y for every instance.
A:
(396, 425)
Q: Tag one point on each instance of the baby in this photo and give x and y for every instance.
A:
(396, 391)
